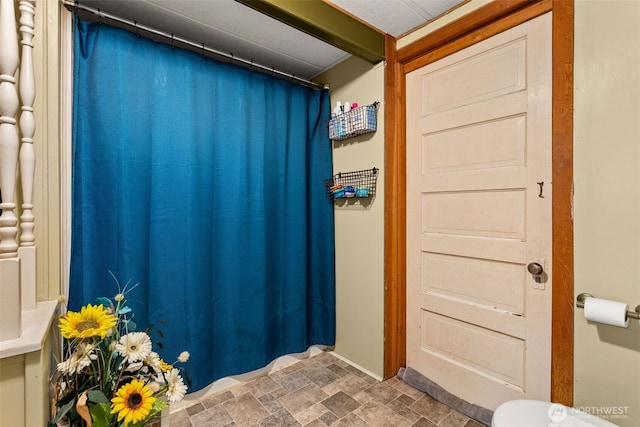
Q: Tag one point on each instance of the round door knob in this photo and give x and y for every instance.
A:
(535, 268)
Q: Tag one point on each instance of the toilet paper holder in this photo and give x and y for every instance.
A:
(583, 296)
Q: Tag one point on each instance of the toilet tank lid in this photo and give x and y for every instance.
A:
(522, 413)
(535, 413)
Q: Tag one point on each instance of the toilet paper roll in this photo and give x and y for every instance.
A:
(608, 312)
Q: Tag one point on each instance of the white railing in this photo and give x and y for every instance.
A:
(17, 167)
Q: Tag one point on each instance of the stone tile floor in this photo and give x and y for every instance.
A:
(319, 391)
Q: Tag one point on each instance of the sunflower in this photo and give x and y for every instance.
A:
(91, 321)
(133, 402)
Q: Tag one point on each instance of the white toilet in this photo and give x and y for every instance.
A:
(536, 413)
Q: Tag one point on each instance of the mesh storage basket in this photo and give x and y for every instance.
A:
(357, 184)
(358, 121)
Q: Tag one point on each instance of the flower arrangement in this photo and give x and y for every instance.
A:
(111, 376)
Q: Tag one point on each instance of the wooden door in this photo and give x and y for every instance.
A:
(478, 213)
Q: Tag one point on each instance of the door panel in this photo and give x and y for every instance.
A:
(478, 211)
(490, 74)
(480, 281)
(490, 353)
(488, 213)
(484, 145)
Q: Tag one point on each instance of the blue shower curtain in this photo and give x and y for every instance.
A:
(203, 182)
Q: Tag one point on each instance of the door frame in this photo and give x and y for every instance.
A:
(478, 25)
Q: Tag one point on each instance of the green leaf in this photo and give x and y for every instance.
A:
(66, 399)
(158, 406)
(131, 325)
(106, 302)
(63, 411)
(124, 310)
(97, 396)
(101, 414)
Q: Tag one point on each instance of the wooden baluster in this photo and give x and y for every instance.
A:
(11, 313)
(8, 133)
(27, 89)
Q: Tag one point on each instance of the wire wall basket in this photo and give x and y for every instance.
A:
(347, 185)
(358, 121)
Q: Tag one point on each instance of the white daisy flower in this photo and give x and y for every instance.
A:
(184, 356)
(176, 387)
(68, 366)
(153, 360)
(134, 346)
(79, 360)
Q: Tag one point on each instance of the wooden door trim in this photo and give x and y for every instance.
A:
(461, 27)
(562, 176)
(472, 28)
(395, 343)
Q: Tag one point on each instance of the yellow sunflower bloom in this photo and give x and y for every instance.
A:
(91, 321)
(133, 402)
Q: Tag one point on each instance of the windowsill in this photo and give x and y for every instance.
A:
(35, 327)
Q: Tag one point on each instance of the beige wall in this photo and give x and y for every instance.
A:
(360, 231)
(607, 200)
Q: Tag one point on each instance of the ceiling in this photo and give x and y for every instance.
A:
(396, 17)
(234, 29)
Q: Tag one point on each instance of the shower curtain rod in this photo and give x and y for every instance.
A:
(173, 40)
